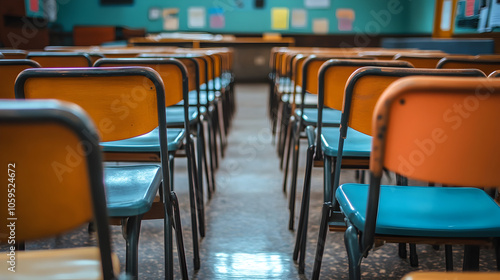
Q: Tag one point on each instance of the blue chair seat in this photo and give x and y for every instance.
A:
(310, 116)
(193, 98)
(356, 144)
(424, 211)
(311, 100)
(148, 142)
(216, 82)
(175, 115)
(131, 190)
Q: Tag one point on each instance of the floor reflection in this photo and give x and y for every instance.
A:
(250, 266)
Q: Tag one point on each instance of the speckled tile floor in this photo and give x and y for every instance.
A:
(247, 219)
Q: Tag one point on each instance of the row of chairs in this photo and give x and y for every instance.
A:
(350, 85)
(126, 99)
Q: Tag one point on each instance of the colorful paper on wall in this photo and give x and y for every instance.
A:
(196, 17)
(279, 18)
(345, 18)
(446, 15)
(320, 25)
(317, 4)
(494, 20)
(299, 18)
(154, 13)
(34, 6)
(469, 8)
(171, 19)
(216, 18)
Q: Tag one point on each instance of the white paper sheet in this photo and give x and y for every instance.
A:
(324, 4)
(320, 25)
(196, 17)
(299, 18)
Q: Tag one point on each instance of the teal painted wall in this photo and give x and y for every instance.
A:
(420, 16)
(372, 16)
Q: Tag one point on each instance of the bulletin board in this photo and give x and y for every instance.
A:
(477, 15)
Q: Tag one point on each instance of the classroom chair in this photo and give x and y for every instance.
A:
(418, 135)
(321, 116)
(178, 78)
(124, 102)
(348, 147)
(35, 135)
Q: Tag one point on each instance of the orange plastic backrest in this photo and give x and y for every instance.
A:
(46, 171)
(170, 73)
(311, 70)
(337, 73)
(439, 129)
(13, 53)
(420, 61)
(485, 65)
(127, 106)
(367, 84)
(55, 60)
(9, 69)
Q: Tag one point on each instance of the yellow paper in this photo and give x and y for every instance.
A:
(279, 18)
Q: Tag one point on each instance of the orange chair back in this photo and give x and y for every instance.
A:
(336, 72)
(128, 95)
(47, 186)
(424, 123)
(171, 71)
(9, 69)
(485, 65)
(60, 59)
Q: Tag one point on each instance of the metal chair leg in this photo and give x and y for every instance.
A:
(449, 257)
(192, 202)
(496, 243)
(199, 160)
(168, 238)
(353, 253)
(209, 175)
(307, 193)
(304, 212)
(288, 149)
(413, 255)
(171, 157)
(402, 250)
(471, 258)
(295, 167)
(198, 190)
(131, 233)
(213, 135)
(178, 236)
(325, 213)
(222, 132)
